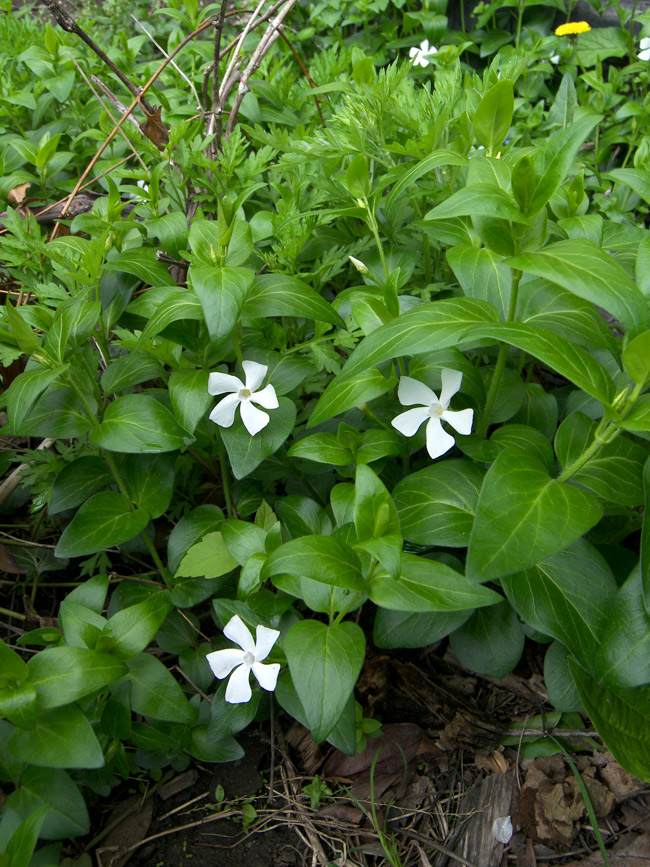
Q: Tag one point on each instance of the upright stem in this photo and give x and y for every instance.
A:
(497, 376)
(225, 480)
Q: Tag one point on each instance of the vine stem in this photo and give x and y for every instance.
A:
(497, 376)
(225, 481)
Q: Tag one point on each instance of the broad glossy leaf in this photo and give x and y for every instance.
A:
(139, 424)
(622, 719)
(178, 304)
(375, 514)
(491, 641)
(325, 662)
(572, 361)
(13, 669)
(77, 481)
(586, 270)
(645, 537)
(342, 736)
(567, 596)
(636, 358)
(222, 292)
(323, 448)
(130, 370)
(493, 116)
(417, 170)
(436, 505)
(57, 413)
(428, 585)
(150, 480)
(623, 658)
(398, 629)
(67, 813)
(524, 516)
(155, 693)
(191, 527)
(142, 263)
(60, 738)
(562, 690)
(62, 675)
(104, 520)
(638, 180)
(18, 851)
(208, 558)
(614, 473)
(344, 393)
(188, 392)
(132, 629)
(72, 324)
(323, 558)
(478, 200)
(285, 295)
(26, 388)
(92, 593)
(247, 452)
(482, 274)
(639, 417)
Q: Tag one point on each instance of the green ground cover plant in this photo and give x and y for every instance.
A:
(355, 351)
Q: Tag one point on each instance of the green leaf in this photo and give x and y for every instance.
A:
(150, 480)
(59, 414)
(222, 292)
(524, 516)
(191, 527)
(92, 593)
(60, 738)
(20, 847)
(436, 505)
(26, 388)
(22, 332)
(322, 558)
(493, 116)
(623, 655)
(73, 323)
(155, 693)
(357, 179)
(139, 424)
(67, 815)
(77, 481)
(19, 704)
(375, 514)
(182, 304)
(342, 736)
(491, 641)
(478, 200)
(398, 629)
(142, 263)
(583, 268)
(190, 399)
(102, 521)
(428, 585)
(324, 448)
(645, 537)
(285, 295)
(562, 690)
(638, 180)
(562, 111)
(325, 662)
(344, 393)
(131, 630)
(567, 596)
(62, 675)
(572, 361)
(130, 370)
(243, 539)
(638, 419)
(247, 452)
(557, 159)
(636, 358)
(614, 473)
(622, 719)
(208, 558)
(412, 175)
(482, 274)
(13, 669)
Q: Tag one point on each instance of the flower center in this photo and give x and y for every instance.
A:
(248, 659)
(244, 392)
(436, 410)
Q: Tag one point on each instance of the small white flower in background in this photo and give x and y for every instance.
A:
(644, 45)
(243, 395)
(419, 55)
(502, 829)
(243, 661)
(434, 408)
(361, 267)
(554, 58)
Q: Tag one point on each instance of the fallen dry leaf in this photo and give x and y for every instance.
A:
(117, 847)
(618, 781)
(155, 130)
(550, 804)
(18, 194)
(7, 562)
(632, 849)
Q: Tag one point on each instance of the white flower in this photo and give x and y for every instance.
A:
(554, 58)
(434, 409)
(419, 55)
(243, 394)
(644, 45)
(502, 829)
(250, 657)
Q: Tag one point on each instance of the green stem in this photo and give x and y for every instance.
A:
(225, 480)
(630, 40)
(8, 613)
(605, 433)
(519, 21)
(497, 376)
(110, 460)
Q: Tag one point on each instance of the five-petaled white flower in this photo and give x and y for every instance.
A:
(434, 409)
(244, 395)
(243, 661)
(419, 55)
(644, 45)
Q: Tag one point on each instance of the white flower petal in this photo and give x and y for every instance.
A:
(267, 675)
(438, 440)
(645, 42)
(266, 397)
(460, 421)
(266, 638)
(239, 690)
(220, 383)
(644, 55)
(451, 380)
(255, 374)
(254, 419)
(222, 662)
(412, 391)
(424, 46)
(224, 412)
(237, 631)
(413, 51)
(408, 422)
(421, 61)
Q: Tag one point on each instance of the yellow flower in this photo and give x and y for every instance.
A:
(572, 29)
